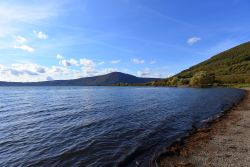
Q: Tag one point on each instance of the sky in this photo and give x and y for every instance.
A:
(65, 39)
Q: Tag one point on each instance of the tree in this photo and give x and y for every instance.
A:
(183, 81)
(174, 81)
(202, 79)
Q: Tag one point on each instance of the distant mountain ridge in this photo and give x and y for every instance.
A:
(102, 80)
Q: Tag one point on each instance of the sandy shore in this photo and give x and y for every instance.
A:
(226, 143)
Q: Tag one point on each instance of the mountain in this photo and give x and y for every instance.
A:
(102, 80)
(229, 67)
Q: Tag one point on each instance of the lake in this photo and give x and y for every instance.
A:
(101, 126)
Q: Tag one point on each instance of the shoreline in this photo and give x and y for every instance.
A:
(224, 142)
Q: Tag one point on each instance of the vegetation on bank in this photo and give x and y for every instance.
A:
(200, 79)
(229, 68)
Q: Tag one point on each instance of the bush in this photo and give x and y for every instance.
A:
(247, 80)
(183, 81)
(174, 81)
(202, 79)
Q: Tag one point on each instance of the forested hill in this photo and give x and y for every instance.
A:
(229, 67)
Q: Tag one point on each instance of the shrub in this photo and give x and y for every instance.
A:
(174, 81)
(202, 79)
(183, 81)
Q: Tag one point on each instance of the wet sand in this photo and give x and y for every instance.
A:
(225, 143)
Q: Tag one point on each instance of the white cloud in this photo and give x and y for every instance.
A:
(40, 35)
(137, 61)
(20, 39)
(65, 63)
(107, 70)
(21, 44)
(56, 70)
(29, 72)
(148, 73)
(73, 62)
(29, 67)
(89, 71)
(115, 61)
(101, 63)
(58, 56)
(87, 62)
(89, 67)
(144, 73)
(24, 48)
(70, 62)
(193, 40)
(18, 70)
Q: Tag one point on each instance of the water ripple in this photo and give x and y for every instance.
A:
(100, 126)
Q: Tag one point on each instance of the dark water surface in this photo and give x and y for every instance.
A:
(100, 126)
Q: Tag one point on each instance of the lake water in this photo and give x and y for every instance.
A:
(100, 126)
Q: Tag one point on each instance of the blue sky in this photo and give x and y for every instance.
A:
(64, 39)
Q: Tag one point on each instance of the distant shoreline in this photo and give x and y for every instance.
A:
(224, 142)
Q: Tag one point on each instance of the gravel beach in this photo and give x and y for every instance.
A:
(226, 143)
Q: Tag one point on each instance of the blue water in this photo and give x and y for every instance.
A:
(100, 126)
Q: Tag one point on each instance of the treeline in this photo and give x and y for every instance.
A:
(203, 79)
(135, 84)
(200, 79)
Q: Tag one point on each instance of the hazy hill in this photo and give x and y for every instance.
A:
(102, 80)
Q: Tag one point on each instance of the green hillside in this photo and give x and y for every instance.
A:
(227, 68)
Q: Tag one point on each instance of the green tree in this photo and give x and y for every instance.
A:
(183, 81)
(174, 81)
(202, 79)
